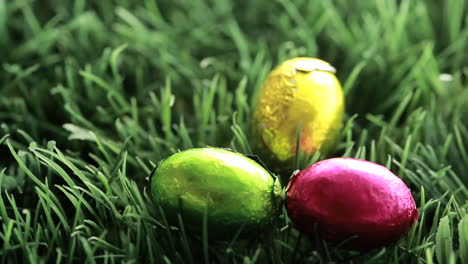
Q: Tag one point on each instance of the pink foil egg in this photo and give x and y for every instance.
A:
(351, 199)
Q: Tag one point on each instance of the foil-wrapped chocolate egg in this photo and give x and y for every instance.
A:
(300, 90)
(351, 199)
(234, 190)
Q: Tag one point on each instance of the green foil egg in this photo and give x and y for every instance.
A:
(233, 190)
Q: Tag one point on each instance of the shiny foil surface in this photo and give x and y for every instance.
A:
(348, 198)
(235, 190)
(300, 89)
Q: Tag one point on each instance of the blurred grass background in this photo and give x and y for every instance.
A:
(94, 93)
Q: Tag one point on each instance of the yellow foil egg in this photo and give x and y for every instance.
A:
(300, 89)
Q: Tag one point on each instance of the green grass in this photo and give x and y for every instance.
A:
(94, 93)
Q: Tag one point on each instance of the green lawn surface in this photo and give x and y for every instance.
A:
(93, 94)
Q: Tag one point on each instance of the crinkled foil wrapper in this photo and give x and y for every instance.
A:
(351, 199)
(301, 90)
(234, 190)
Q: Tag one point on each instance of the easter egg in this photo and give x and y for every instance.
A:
(299, 91)
(231, 189)
(351, 199)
